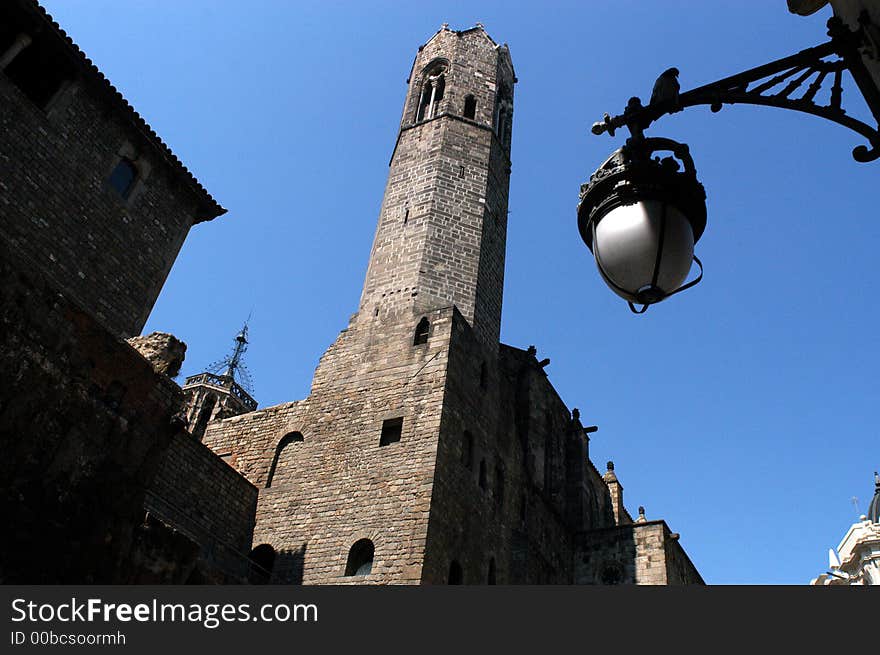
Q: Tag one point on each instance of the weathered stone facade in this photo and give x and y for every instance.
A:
(100, 482)
(84, 424)
(164, 351)
(443, 224)
(636, 553)
(64, 130)
(93, 437)
(427, 452)
(201, 496)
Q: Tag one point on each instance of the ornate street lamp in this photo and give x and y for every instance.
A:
(641, 215)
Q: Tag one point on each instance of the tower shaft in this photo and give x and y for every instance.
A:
(442, 228)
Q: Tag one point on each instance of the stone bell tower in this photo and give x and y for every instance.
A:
(427, 452)
(220, 391)
(442, 228)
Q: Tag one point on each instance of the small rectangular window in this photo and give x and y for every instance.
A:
(391, 431)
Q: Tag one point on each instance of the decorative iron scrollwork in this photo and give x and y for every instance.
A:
(789, 83)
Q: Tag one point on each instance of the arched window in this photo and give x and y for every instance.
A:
(467, 450)
(422, 331)
(483, 476)
(285, 441)
(432, 91)
(360, 558)
(456, 576)
(470, 106)
(124, 176)
(262, 559)
(490, 579)
(201, 424)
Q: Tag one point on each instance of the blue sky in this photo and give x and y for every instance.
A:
(742, 411)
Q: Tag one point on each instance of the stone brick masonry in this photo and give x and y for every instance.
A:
(204, 498)
(109, 253)
(92, 435)
(450, 453)
(427, 452)
(84, 424)
(89, 429)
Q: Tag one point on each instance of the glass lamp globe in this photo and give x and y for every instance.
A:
(641, 215)
(644, 250)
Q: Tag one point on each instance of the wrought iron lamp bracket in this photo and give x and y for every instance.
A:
(775, 85)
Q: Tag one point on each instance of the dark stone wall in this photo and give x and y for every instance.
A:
(84, 425)
(161, 555)
(680, 570)
(524, 511)
(92, 435)
(108, 253)
(645, 553)
(85, 421)
(201, 496)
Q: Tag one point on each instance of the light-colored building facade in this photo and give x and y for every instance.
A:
(857, 560)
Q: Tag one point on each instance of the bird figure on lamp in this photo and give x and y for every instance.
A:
(666, 88)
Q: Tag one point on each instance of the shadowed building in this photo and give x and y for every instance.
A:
(427, 451)
(100, 481)
(90, 195)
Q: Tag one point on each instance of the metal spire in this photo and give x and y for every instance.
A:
(233, 365)
(241, 344)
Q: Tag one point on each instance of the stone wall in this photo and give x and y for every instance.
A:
(201, 496)
(512, 480)
(325, 478)
(326, 481)
(84, 425)
(644, 553)
(680, 570)
(111, 254)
